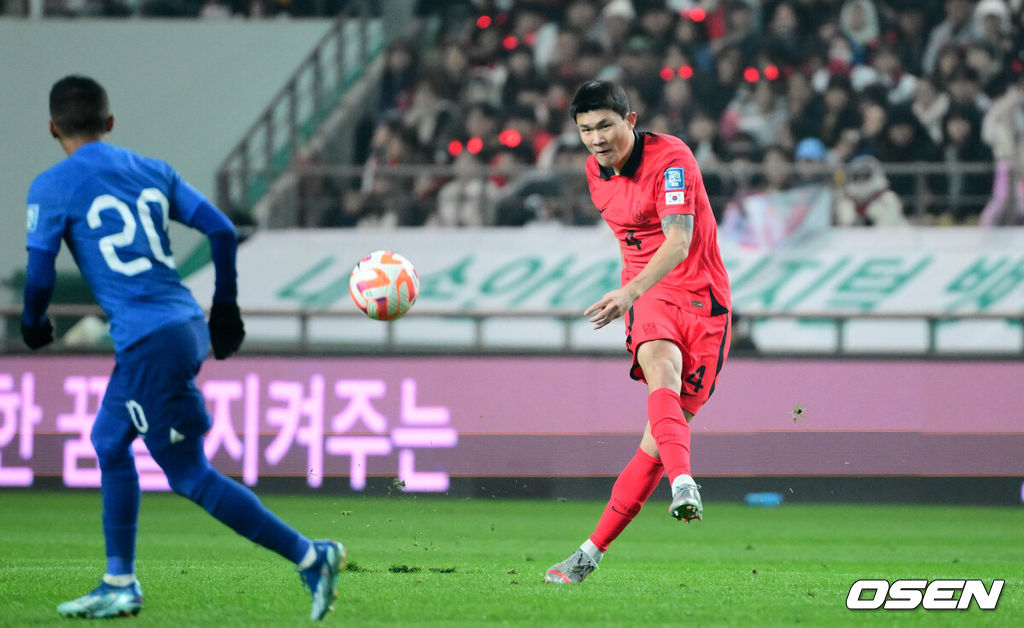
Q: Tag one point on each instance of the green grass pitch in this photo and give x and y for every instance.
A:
(433, 561)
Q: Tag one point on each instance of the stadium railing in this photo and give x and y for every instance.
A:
(305, 344)
(316, 189)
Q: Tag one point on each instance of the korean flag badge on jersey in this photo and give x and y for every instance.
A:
(675, 185)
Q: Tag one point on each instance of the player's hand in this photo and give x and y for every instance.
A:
(226, 329)
(38, 336)
(611, 306)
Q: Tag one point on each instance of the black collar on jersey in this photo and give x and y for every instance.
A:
(633, 163)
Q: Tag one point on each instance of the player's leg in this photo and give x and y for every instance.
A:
(119, 592)
(178, 419)
(190, 474)
(634, 485)
(669, 424)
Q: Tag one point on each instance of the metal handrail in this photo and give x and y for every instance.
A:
(271, 142)
(567, 318)
(916, 204)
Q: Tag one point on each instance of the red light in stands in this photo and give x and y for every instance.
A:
(510, 138)
(510, 42)
(454, 148)
(666, 74)
(685, 72)
(483, 21)
(771, 72)
(698, 15)
(475, 145)
(751, 75)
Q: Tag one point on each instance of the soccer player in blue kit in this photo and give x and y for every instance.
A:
(112, 207)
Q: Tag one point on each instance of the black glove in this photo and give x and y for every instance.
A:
(38, 336)
(226, 329)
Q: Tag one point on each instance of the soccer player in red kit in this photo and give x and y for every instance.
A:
(674, 297)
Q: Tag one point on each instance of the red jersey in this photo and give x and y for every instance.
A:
(661, 178)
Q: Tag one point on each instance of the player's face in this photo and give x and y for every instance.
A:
(607, 135)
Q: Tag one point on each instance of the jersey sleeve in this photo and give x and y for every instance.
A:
(185, 199)
(677, 185)
(46, 217)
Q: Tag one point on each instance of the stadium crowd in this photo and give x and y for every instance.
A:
(776, 83)
(768, 93)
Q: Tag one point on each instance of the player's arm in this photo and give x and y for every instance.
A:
(40, 278)
(226, 328)
(678, 229)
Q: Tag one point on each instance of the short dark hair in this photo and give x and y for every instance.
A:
(599, 95)
(79, 106)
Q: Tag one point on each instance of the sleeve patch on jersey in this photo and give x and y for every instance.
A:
(674, 198)
(674, 179)
(32, 219)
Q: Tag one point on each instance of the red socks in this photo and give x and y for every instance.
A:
(634, 485)
(671, 431)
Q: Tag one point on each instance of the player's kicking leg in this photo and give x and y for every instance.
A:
(322, 576)
(686, 504)
(572, 570)
(105, 601)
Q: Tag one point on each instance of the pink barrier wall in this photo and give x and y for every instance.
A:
(424, 420)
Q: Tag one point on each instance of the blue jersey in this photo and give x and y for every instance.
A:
(113, 208)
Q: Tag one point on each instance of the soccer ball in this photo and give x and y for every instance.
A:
(384, 285)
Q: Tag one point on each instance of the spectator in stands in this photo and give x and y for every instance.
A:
(743, 155)
(657, 22)
(581, 17)
(717, 90)
(810, 162)
(840, 112)
(782, 41)
(640, 68)
(779, 173)
(691, 36)
(741, 29)
(962, 144)
(930, 105)
(858, 23)
(951, 59)
(677, 106)
(907, 31)
(469, 199)
(533, 27)
(701, 138)
(981, 58)
(482, 123)
(399, 78)
(874, 115)
(992, 25)
(964, 88)
(522, 74)
(432, 120)
(453, 71)
(805, 107)
(523, 121)
(887, 70)
(615, 24)
(1003, 130)
(956, 28)
(758, 110)
(865, 198)
(905, 141)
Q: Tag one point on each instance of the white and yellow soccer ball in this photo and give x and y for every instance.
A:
(384, 285)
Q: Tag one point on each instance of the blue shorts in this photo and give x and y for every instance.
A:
(152, 389)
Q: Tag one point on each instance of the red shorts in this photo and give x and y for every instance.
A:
(703, 341)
